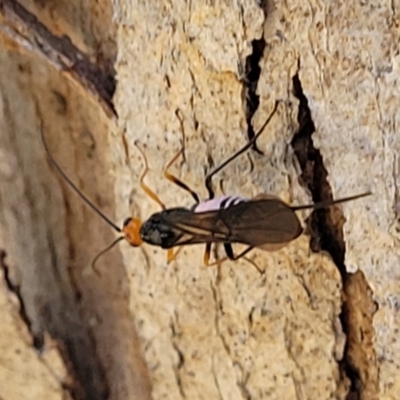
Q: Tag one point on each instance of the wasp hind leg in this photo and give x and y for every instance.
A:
(206, 258)
(228, 251)
(208, 180)
(231, 256)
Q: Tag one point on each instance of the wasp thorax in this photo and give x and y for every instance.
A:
(131, 231)
(154, 231)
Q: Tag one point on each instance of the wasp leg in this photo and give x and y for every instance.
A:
(231, 256)
(177, 181)
(208, 180)
(144, 187)
(206, 257)
(171, 255)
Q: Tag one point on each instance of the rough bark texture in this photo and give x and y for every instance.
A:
(48, 234)
(321, 321)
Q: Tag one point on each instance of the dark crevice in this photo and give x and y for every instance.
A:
(252, 75)
(77, 349)
(326, 230)
(77, 344)
(37, 338)
(325, 225)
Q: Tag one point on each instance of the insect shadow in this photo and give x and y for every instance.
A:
(264, 222)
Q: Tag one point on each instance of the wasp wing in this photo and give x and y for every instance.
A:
(264, 222)
(260, 222)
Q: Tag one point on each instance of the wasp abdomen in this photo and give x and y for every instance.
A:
(219, 203)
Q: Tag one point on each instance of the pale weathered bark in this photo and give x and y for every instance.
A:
(49, 236)
(309, 327)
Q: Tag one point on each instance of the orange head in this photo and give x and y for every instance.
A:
(131, 231)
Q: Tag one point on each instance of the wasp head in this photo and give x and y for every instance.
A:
(131, 231)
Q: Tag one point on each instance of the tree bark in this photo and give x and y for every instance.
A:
(320, 321)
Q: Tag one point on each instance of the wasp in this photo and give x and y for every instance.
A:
(264, 222)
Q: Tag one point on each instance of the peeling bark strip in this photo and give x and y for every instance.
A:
(24, 28)
(360, 358)
(326, 225)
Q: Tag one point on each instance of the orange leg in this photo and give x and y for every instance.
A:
(177, 181)
(230, 256)
(145, 188)
(206, 258)
(171, 255)
(181, 152)
(167, 175)
(218, 262)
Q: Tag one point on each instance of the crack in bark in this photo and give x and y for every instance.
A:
(218, 312)
(326, 229)
(252, 75)
(288, 347)
(25, 29)
(67, 387)
(37, 339)
(252, 72)
(220, 396)
(181, 359)
(242, 384)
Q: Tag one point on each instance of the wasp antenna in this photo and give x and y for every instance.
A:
(328, 203)
(109, 247)
(73, 186)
